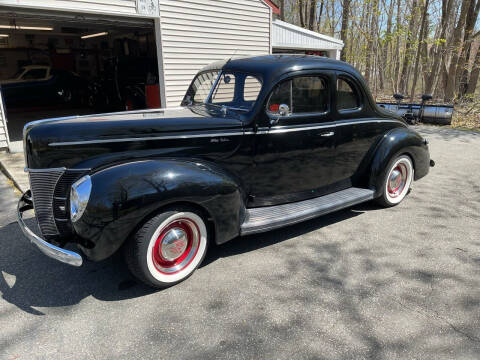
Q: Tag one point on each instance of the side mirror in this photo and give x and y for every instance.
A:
(427, 97)
(398, 97)
(283, 110)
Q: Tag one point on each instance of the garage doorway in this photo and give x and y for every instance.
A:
(60, 64)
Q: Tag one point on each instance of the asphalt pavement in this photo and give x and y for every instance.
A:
(366, 282)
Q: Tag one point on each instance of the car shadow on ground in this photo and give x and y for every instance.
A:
(30, 280)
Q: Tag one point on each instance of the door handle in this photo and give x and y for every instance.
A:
(327, 134)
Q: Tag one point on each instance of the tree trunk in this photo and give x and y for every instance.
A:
(300, 13)
(456, 42)
(385, 65)
(408, 50)
(461, 80)
(320, 13)
(344, 30)
(472, 82)
(397, 47)
(421, 37)
(313, 10)
(369, 54)
(282, 10)
(439, 46)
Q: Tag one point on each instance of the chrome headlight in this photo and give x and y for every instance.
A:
(79, 195)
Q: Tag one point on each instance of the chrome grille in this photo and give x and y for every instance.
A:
(42, 184)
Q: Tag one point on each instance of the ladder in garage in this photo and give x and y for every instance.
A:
(4, 141)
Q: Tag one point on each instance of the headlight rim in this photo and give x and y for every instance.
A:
(83, 189)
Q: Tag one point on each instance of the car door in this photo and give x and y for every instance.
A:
(294, 149)
(358, 128)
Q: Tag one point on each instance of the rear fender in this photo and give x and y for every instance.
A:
(397, 142)
(125, 195)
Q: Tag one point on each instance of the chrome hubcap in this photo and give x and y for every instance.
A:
(174, 244)
(397, 180)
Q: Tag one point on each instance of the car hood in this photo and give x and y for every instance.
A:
(66, 142)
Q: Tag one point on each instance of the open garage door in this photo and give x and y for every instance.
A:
(55, 64)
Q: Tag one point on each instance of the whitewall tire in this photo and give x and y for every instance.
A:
(397, 180)
(168, 248)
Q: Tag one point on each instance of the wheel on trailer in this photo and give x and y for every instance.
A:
(396, 182)
(168, 248)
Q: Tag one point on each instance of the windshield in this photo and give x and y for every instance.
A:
(234, 90)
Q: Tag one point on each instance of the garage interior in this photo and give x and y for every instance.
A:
(60, 64)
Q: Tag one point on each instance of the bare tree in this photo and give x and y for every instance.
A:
(454, 49)
(344, 30)
(313, 9)
(419, 48)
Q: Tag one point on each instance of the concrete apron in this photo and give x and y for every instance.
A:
(12, 165)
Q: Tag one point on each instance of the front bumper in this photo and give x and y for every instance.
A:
(66, 256)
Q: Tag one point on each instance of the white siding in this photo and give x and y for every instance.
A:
(288, 36)
(3, 128)
(102, 6)
(195, 33)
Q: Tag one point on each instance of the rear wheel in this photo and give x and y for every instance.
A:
(168, 248)
(397, 179)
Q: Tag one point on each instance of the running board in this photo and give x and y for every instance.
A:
(272, 217)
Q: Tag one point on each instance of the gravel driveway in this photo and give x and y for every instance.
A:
(361, 283)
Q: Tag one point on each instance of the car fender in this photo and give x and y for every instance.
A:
(125, 195)
(394, 143)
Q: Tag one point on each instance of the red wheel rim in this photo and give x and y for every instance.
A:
(182, 249)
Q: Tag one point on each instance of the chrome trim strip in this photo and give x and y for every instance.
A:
(293, 128)
(165, 137)
(262, 130)
(54, 169)
(46, 170)
(55, 252)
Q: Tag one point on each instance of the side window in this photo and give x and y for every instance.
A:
(280, 95)
(309, 95)
(347, 96)
(302, 95)
(251, 88)
(225, 90)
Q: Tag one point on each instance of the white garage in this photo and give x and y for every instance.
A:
(79, 36)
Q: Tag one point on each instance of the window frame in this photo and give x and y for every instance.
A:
(323, 75)
(355, 87)
(45, 75)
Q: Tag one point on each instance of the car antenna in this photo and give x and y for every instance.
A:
(231, 57)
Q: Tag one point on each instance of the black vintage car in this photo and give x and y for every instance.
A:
(258, 143)
(42, 85)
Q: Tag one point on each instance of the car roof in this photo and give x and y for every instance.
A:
(279, 64)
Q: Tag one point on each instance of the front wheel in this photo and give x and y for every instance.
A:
(397, 179)
(168, 248)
